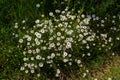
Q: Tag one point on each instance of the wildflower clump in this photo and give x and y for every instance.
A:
(59, 42)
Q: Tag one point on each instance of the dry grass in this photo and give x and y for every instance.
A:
(110, 70)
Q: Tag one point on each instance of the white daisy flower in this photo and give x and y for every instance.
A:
(38, 5)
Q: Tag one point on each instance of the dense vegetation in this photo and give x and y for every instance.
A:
(43, 39)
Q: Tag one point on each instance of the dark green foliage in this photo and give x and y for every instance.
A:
(12, 11)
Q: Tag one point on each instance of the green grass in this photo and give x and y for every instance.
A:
(12, 11)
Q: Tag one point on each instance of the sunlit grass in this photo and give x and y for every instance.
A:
(110, 70)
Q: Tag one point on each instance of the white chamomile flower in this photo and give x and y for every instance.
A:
(42, 15)
(38, 35)
(87, 71)
(23, 21)
(23, 27)
(113, 54)
(32, 58)
(37, 50)
(25, 59)
(65, 60)
(118, 38)
(84, 41)
(40, 64)
(65, 54)
(29, 38)
(38, 57)
(58, 38)
(84, 75)
(80, 35)
(37, 21)
(52, 55)
(78, 61)
(52, 45)
(44, 48)
(97, 18)
(68, 45)
(42, 31)
(32, 71)
(20, 40)
(87, 47)
(58, 34)
(70, 63)
(51, 14)
(38, 5)
(57, 75)
(29, 51)
(83, 16)
(88, 54)
(38, 75)
(16, 26)
(26, 71)
(57, 11)
(22, 68)
(58, 71)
